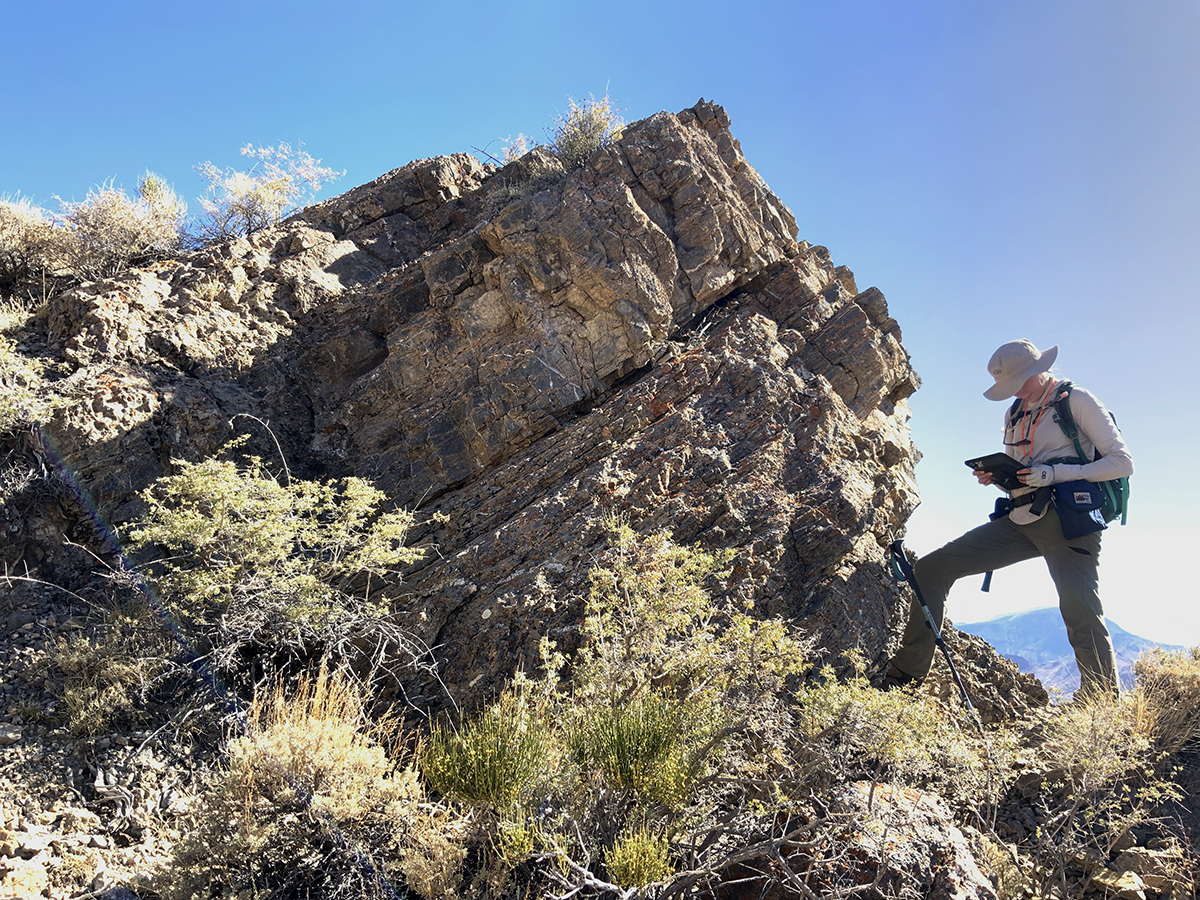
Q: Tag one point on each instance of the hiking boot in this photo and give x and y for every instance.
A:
(895, 679)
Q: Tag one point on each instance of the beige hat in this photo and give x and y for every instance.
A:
(1012, 365)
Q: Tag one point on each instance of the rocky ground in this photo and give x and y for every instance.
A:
(98, 816)
(79, 816)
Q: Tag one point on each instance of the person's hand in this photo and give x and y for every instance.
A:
(1037, 476)
(984, 477)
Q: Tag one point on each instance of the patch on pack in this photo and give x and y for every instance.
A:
(1083, 498)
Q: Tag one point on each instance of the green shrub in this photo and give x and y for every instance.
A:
(646, 745)
(240, 203)
(584, 129)
(638, 858)
(495, 759)
(283, 569)
(673, 704)
(652, 627)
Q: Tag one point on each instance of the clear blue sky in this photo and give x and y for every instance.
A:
(1026, 169)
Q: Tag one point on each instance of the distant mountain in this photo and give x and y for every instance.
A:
(1036, 641)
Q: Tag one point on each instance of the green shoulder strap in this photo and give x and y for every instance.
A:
(1066, 421)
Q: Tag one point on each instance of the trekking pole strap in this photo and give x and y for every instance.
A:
(902, 569)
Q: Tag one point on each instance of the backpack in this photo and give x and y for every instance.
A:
(1115, 504)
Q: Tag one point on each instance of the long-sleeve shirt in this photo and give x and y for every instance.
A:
(1033, 436)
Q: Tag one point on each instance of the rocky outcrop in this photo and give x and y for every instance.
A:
(515, 361)
(906, 844)
(643, 336)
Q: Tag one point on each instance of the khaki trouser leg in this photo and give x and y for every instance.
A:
(995, 545)
(1074, 566)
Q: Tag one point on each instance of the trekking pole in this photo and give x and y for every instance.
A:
(902, 570)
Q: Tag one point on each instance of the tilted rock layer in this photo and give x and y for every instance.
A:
(644, 337)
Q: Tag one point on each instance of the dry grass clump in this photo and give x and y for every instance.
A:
(113, 673)
(1169, 687)
(102, 681)
(309, 802)
(1105, 774)
(852, 731)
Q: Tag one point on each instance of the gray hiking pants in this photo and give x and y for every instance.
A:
(1074, 566)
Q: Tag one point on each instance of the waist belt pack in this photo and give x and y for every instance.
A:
(1079, 506)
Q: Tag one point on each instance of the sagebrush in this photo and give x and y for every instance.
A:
(239, 203)
(585, 127)
(262, 574)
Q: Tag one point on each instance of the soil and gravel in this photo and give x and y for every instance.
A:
(79, 816)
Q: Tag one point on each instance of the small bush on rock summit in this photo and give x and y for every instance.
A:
(240, 203)
(25, 238)
(108, 231)
(584, 129)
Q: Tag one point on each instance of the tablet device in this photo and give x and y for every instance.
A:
(1003, 468)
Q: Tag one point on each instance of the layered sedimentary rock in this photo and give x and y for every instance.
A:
(644, 336)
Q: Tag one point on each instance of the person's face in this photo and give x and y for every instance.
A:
(1034, 387)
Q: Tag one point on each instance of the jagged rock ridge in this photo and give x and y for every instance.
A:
(645, 336)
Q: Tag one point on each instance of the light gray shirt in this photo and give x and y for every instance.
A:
(1097, 431)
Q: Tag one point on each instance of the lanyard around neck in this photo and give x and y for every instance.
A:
(1028, 418)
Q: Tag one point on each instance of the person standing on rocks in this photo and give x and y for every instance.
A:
(1027, 525)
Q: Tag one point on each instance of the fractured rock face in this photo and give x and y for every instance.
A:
(644, 336)
(732, 443)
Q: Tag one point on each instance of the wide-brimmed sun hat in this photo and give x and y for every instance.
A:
(1013, 363)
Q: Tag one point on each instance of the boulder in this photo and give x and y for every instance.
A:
(905, 841)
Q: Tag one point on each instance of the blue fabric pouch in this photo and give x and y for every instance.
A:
(1078, 504)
